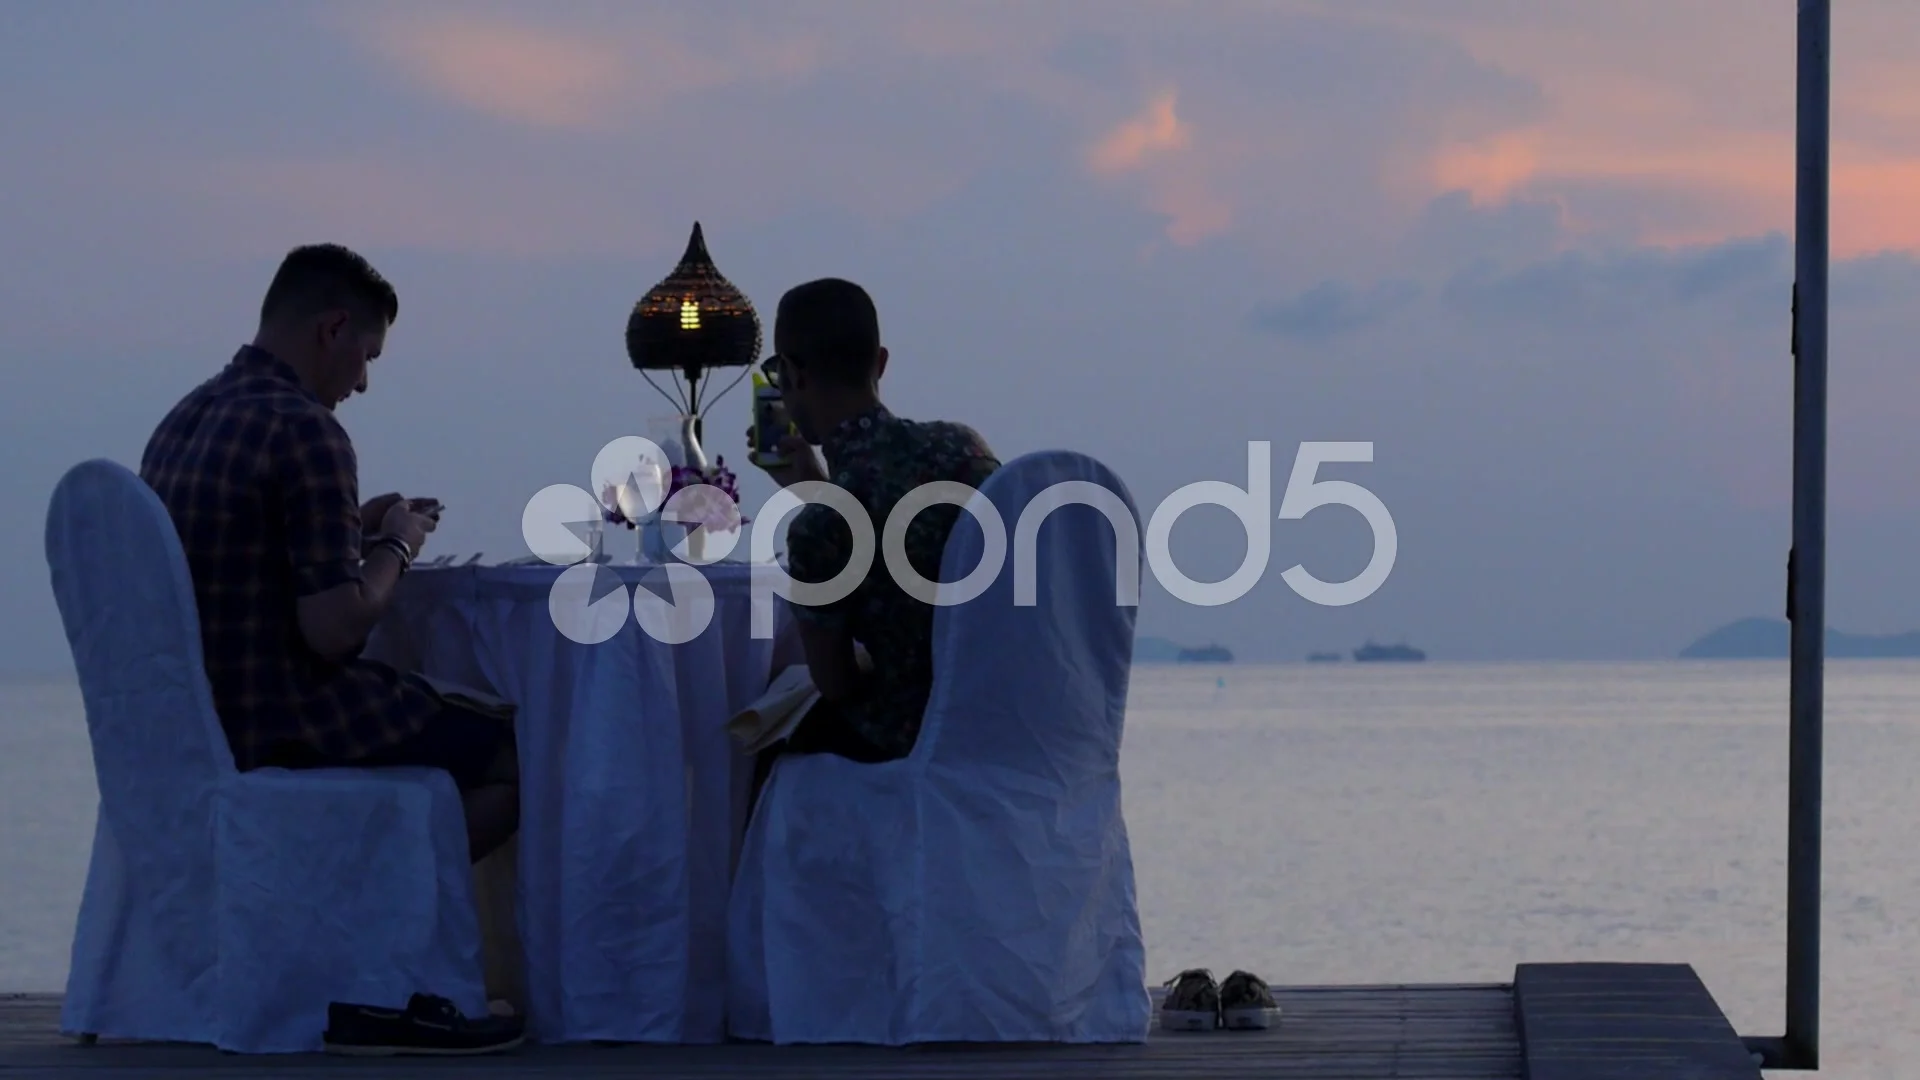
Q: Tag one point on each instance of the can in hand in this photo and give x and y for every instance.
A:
(770, 422)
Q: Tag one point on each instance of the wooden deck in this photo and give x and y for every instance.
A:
(1644, 1022)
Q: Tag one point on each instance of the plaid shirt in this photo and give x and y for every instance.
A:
(879, 458)
(262, 483)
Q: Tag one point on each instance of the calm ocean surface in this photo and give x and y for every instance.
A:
(1388, 823)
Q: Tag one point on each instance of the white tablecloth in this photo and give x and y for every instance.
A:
(633, 797)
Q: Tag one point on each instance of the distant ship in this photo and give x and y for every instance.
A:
(1374, 651)
(1323, 658)
(1206, 654)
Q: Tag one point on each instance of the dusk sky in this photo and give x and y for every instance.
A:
(1538, 251)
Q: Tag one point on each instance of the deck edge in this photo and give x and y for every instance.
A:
(1658, 1020)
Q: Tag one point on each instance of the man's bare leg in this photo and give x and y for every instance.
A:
(495, 880)
(493, 826)
(493, 817)
(493, 811)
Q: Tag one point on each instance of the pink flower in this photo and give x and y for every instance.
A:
(713, 497)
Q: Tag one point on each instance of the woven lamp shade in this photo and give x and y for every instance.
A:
(694, 320)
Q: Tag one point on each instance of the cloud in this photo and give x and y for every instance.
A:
(1652, 375)
(1522, 262)
(1194, 209)
(1490, 171)
(511, 70)
(1319, 103)
(1155, 131)
(543, 75)
(1294, 126)
(1581, 289)
(1680, 117)
(1158, 142)
(1334, 309)
(1454, 231)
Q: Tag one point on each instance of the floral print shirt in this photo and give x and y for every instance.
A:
(879, 458)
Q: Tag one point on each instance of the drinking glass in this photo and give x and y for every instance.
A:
(653, 479)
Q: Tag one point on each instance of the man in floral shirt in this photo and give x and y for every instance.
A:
(829, 363)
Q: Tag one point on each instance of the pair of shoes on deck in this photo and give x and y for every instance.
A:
(1195, 1002)
(428, 1026)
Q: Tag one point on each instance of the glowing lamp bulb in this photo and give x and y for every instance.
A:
(689, 315)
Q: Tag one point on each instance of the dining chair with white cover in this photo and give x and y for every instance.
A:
(982, 888)
(221, 906)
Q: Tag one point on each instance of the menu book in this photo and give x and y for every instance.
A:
(468, 698)
(775, 714)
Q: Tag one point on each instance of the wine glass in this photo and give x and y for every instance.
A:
(638, 499)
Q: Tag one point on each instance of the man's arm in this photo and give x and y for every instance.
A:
(337, 622)
(819, 546)
(830, 660)
(340, 599)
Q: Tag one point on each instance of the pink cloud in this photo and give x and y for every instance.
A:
(1684, 120)
(1679, 111)
(513, 71)
(545, 75)
(1492, 170)
(1155, 131)
(1157, 143)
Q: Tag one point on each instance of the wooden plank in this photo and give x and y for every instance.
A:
(1624, 1022)
(1329, 1033)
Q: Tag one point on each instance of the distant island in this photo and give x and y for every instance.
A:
(1205, 654)
(1323, 658)
(1374, 652)
(1154, 650)
(1769, 639)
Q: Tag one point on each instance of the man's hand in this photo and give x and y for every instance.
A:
(801, 462)
(375, 509)
(408, 525)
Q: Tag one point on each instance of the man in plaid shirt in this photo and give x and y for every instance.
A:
(263, 485)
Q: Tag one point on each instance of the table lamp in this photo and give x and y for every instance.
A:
(689, 325)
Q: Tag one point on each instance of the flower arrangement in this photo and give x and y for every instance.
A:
(715, 502)
(718, 512)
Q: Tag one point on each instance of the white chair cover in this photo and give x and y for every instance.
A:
(223, 907)
(981, 889)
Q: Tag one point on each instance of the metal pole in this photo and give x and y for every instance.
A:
(1807, 574)
(1805, 752)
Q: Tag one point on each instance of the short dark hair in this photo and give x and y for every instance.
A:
(832, 328)
(320, 277)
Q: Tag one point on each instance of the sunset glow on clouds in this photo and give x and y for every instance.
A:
(1156, 131)
(518, 73)
(1539, 249)
(1683, 100)
(1622, 110)
(1158, 143)
(523, 71)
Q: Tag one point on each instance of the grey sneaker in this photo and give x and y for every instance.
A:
(1192, 1003)
(1246, 1004)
